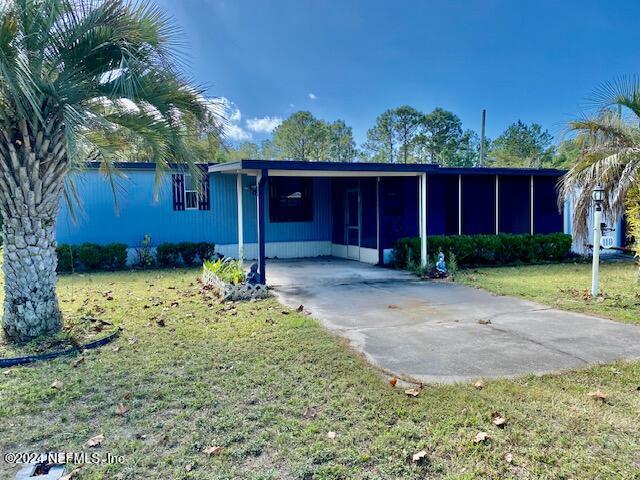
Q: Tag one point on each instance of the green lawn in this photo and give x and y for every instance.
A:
(267, 385)
(567, 286)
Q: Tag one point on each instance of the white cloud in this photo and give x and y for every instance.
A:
(264, 124)
(233, 130)
(312, 96)
(236, 133)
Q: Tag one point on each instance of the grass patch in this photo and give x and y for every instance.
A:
(567, 286)
(267, 384)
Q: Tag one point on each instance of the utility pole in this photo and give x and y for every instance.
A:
(484, 121)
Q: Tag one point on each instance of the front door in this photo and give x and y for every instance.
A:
(352, 224)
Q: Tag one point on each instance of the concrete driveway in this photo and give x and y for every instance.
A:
(431, 330)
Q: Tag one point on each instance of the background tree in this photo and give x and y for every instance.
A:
(522, 145)
(301, 137)
(342, 148)
(395, 135)
(442, 136)
(304, 137)
(566, 155)
(381, 142)
(610, 156)
(467, 151)
(78, 80)
(407, 124)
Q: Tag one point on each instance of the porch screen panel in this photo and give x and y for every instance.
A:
(514, 204)
(369, 236)
(478, 204)
(338, 188)
(547, 218)
(442, 204)
(398, 209)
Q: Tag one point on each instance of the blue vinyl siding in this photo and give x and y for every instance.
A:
(99, 222)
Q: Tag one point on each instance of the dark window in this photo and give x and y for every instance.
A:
(290, 199)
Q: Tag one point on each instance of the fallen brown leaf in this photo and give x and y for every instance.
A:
(72, 474)
(498, 420)
(481, 437)
(393, 381)
(412, 392)
(57, 384)
(479, 385)
(121, 409)
(418, 456)
(484, 322)
(392, 306)
(331, 435)
(95, 441)
(78, 361)
(599, 395)
(160, 322)
(508, 458)
(213, 450)
(115, 349)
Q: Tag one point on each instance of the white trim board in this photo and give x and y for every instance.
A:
(299, 249)
(367, 255)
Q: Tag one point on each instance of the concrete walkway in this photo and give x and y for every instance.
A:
(433, 331)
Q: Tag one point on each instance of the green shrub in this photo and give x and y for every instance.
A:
(67, 255)
(205, 250)
(183, 253)
(90, 255)
(227, 270)
(472, 250)
(168, 255)
(114, 256)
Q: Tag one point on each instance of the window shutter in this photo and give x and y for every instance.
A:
(178, 191)
(203, 199)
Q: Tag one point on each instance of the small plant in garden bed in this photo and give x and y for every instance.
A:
(228, 270)
(230, 282)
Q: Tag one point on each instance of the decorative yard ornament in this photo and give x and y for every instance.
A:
(441, 266)
(253, 277)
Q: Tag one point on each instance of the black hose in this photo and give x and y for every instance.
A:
(12, 362)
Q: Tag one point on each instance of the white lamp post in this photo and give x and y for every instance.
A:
(598, 198)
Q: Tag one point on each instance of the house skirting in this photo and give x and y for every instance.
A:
(300, 249)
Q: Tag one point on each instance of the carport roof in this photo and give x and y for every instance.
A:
(286, 167)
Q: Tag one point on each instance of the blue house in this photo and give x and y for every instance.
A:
(257, 209)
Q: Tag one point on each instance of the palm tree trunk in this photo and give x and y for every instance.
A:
(30, 302)
(32, 169)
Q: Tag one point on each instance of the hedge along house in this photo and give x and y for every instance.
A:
(259, 209)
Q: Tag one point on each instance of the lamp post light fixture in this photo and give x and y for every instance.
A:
(598, 199)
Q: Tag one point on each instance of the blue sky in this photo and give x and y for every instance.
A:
(538, 61)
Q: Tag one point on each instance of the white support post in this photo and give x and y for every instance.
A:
(423, 219)
(380, 254)
(597, 233)
(532, 224)
(497, 204)
(459, 204)
(240, 215)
